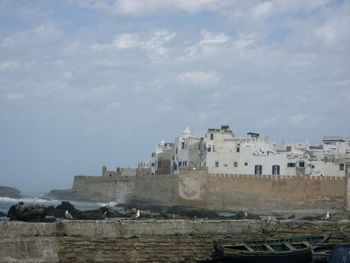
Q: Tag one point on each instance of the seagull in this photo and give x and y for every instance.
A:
(245, 213)
(137, 214)
(327, 216)
(68, 215)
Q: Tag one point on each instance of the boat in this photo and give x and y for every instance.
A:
(296, 249)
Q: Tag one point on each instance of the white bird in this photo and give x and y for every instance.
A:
(68, 215)
(137, 214)
(327, 216)
(245, 213)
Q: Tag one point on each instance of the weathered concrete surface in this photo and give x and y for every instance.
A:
(141, 241)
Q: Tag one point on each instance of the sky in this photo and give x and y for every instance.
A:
(100, 82)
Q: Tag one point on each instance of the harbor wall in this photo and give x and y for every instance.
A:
(162, 189)
(221, 191)
(109, 188)
(274, 193)
(142, 241)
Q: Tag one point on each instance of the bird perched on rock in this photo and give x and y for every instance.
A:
(327, 216)
(68, 215)
(138, 213)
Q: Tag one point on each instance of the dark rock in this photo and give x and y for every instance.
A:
(29, 213)
(2, 214)
(11, 192)
(311, 218)
(61, 209)
(245, 215)
(291, 217)
(191, 212)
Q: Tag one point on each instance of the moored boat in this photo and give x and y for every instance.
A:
(296, 249)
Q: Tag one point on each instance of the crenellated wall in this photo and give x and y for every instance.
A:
(222, 191)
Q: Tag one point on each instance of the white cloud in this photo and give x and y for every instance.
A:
(126, 41)
(146, 7)
(67, 75)
(15, 96)
(280, 7)
(154, 45)
(9, 65)
(209, 43)
(198, 78)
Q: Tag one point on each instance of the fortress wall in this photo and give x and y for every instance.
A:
(221, 191)
(141, 241)
(160, 188)
(110, 187)
(269, 192)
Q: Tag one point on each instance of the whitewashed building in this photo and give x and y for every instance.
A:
(223, 153)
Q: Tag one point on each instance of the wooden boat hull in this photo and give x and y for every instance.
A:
(304, 257)
(285, 250)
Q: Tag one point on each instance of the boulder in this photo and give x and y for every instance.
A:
(28, 213)
(192, 212)
(61, 209)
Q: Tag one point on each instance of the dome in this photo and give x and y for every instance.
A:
(187, 132)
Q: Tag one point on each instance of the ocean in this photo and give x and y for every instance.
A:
(6, 202)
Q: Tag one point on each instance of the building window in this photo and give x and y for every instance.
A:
(211, 136)
(341, 167)
(153, 154)
(275, 169)
(301, 164)
(258, 169)
(237, 149)
(209, 149)
(184, 163)
(216, 164)
(152, 164)
(176, 150)
(290, 164)
(245, 164)
(183, 145)
(235, 164)
(180, 163)
(289, 148)
(159, 163)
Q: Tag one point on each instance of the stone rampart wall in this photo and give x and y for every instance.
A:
(221, 191)
(160, 188)
(109, 187)
(271, 192)
(141, 241)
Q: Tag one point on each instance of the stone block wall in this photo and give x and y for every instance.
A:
(141, 241)
(271, 192)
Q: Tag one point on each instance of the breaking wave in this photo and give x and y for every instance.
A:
(111, 204)
(39, 200)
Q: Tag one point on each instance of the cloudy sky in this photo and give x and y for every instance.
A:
(86, 83)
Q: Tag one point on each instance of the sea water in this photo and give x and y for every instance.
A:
(7, 202)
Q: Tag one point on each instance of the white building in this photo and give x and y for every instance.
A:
(223, 153)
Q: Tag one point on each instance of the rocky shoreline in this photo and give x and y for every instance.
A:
(136, 209)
